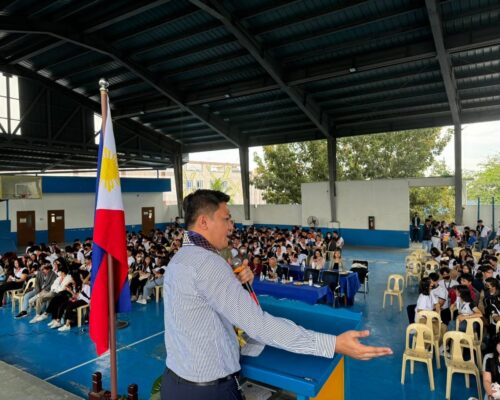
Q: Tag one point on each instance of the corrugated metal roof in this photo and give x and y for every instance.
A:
(178, 71)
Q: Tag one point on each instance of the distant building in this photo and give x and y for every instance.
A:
(204, 175)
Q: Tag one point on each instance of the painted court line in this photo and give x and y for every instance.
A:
(127, 346)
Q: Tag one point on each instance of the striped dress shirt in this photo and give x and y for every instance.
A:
(203, 302)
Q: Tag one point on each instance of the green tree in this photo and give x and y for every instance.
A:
(485, 183)
(438, 201)
(222, 185)
(283, 168)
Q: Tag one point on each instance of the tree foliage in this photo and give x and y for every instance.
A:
(438, 201)
(485, 183)
(283, 168)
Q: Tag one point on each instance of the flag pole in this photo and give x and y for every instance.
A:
(103, 87)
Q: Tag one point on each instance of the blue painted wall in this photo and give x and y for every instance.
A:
(77, 184)
(361, 237)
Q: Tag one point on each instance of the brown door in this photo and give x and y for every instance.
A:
(55, 223)
(148, 219)
(25, 227)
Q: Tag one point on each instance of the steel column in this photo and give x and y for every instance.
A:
(178, 182)
(332, 176)
(458, 175)
(245, 180)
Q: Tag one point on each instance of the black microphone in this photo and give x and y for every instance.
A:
(237, 266)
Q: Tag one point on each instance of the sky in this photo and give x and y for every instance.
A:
(479, 141)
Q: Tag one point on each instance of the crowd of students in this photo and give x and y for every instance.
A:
(442, 235)
(60, 276)
(467, 285)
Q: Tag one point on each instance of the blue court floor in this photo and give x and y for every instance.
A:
(68, 359)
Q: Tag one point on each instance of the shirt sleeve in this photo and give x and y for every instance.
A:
(216, 282)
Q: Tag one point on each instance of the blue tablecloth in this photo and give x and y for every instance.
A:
(349, 286)
(349, 283)
(305, 293)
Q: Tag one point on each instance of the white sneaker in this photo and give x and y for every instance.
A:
(64, 328)
(34, 320)
(51, 323)
(142, 301)
(55, 325)
(42, 317)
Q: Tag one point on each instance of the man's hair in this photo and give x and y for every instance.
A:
(202, 201)
(467, 277)
(434, 277)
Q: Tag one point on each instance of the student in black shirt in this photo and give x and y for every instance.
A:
(491, 373)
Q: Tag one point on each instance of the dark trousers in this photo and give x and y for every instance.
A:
(70, 313)
(58, 304)
(414, 234)
(136, 286)
(172, 389)
(9, 286)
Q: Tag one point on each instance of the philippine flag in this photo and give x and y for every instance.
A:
(109, 238)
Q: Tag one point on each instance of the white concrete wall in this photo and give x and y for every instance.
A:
(485, 213)
(79, 209)
(386, 200)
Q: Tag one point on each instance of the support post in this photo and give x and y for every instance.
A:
(179, 188)
(245, 180)
(458, 175)
(332, 176)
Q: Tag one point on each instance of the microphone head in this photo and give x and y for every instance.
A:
(236, 262)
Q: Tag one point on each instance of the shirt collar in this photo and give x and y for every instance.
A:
(195, 239)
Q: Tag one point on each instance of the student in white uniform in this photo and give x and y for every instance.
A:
(424, 301)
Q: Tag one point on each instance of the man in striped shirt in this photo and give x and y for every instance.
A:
(204, 300)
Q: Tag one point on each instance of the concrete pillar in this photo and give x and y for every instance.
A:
(177, 158)
(458, 175)
(245, 181)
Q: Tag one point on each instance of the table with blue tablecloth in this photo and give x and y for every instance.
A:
(305, 293)
(348, 282)
(305, 376)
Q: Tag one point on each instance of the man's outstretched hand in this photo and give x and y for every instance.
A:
(349, 345)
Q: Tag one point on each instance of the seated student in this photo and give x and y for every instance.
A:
(58, 286)
(465, 307)
(59, 302)
(472, 240)
(466, 280)
(440, 298)
(425, 300)
(294, 259)
(436, 254)
(317, 260)
(140, 277)
(272, 270)
(15, 280)
(79, 298)
(256, 265)
(155, 280)
(478, 281)
(44, 280)
(336, 262)
(491, 373)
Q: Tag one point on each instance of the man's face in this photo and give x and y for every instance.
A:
(218, 227)
(272, 262)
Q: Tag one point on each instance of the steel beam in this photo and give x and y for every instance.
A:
(96, 43)
(304, 101)
(443, 57)
(160, 139)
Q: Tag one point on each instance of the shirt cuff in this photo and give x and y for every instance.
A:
(325, 345)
